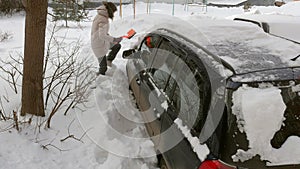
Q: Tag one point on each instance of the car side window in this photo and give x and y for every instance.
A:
(181, 75)
(189, 95)
(189, 92)
(199, 92)
(164, 65)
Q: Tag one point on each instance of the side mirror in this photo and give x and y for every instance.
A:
(127, 53)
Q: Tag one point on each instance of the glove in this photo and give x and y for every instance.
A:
(117, 40)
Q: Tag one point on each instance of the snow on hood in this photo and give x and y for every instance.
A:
(260, 114)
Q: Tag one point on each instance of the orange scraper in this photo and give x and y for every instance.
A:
(130, 34)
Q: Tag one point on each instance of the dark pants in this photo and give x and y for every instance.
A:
(110, 57)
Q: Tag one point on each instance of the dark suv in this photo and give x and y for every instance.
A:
(219, 103)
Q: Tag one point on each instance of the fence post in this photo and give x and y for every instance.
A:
(148, 6)
(120, 8)
(134, 9)
(173, 9)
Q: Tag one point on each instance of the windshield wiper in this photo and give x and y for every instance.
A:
(294, 59)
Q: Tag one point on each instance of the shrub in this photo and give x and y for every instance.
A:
(8, 7)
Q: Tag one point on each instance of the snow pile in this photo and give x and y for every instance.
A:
(277, 23)
(290, 8)
(260, 125)
(116, 128)
(278, 19)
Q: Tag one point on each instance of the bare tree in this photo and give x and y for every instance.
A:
(67, 77)
(32, 84)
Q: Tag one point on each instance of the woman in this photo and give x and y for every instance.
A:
(101, 41)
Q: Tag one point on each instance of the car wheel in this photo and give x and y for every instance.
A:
(162, 163)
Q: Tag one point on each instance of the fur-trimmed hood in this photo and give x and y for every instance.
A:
(101, 10)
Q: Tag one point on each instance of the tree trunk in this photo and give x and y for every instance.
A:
(32, 84)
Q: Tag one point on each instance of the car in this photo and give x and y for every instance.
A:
(217, 94)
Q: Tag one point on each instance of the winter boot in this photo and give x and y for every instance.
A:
(102, 66)
(113, 53)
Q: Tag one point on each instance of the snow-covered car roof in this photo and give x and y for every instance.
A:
(245, 46)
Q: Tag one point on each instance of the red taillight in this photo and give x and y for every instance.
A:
(214, 164)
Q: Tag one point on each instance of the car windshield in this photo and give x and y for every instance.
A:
(265, 123)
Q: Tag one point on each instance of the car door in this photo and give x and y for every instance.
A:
(147, 95)
(186, 92)
(154, 83)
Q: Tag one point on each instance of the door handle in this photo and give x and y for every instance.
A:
(138, 81)
(157, 114)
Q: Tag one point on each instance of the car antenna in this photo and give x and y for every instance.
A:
(294, 59)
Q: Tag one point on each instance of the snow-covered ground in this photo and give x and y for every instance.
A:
(109, 132)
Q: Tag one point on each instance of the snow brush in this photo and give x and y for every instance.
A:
(130, 34)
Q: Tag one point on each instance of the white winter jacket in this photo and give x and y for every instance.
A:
(100, 39)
